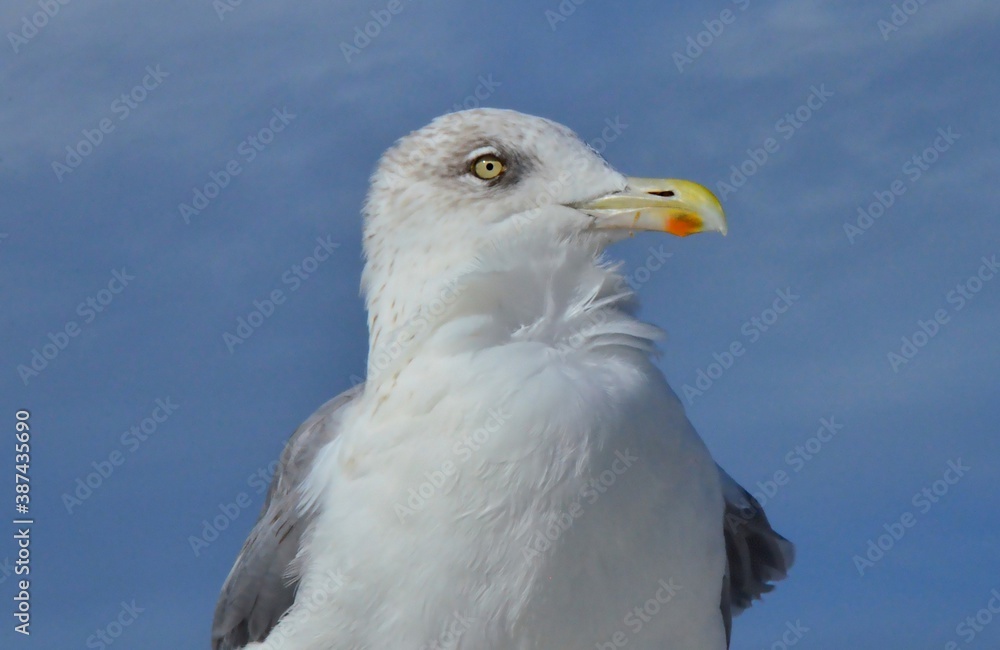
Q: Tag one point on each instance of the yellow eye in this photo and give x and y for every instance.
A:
(488, 167)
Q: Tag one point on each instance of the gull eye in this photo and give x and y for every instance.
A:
(488, 167)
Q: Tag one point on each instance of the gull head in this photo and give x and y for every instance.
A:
(473, 180)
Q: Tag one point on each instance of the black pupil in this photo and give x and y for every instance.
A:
(489, 166)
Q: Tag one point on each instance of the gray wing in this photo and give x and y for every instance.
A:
(261, 585)
(756, 554)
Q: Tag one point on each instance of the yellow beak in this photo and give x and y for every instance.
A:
(678, 207)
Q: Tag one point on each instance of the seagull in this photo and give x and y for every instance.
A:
(515, 473)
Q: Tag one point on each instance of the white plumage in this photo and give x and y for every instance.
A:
(516, 473)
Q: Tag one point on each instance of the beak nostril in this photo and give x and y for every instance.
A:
(664, 193)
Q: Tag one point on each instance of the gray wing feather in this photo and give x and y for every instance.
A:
(756, 554)
(261, 585)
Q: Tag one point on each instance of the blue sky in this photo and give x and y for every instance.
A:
(848, 111)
